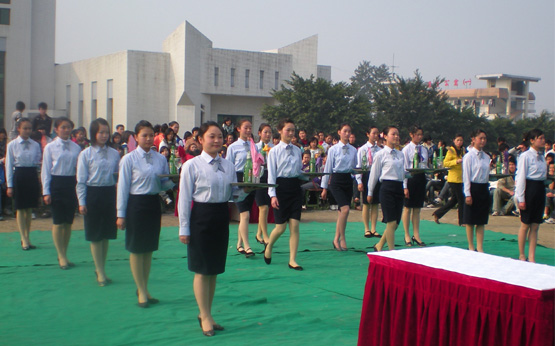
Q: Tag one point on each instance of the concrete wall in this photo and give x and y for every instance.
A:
(305, 56)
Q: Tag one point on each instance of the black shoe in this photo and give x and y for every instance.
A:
(241, 250)
(32, 247)
(259, 240)
(153, 301)
(375, 248)
(408, 243)
(215, 326)
(268, 260)
(295, 268)
(66, 267)
(25, 248)
(420, 243)
(143, 305)
(249, 253)
(335, 247)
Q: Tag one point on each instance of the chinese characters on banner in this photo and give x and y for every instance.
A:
(455, 83)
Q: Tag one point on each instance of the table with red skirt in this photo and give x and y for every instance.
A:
(449, 296)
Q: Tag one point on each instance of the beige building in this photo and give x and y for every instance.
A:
(505, 96)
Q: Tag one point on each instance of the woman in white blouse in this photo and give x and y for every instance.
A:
(96, 192)
(59, 165)
(530, 193)
(23, 156)
(206, 184)
(476, 190)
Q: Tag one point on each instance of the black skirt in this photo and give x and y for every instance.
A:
(478, 212)
(261, 195)
(341, 186)
(26, 188)
(100, 221)
(417, 191)
(144, 219)
(246, 204)
(207, 248)
(64, 199)
(290, 199)
(391, 199)
(534, 196)
(375, 193)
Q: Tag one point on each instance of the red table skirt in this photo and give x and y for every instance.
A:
(411, 304)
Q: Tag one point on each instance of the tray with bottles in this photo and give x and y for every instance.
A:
(314, 174)
(361, 170)
(497, 176)
(254, 185)
(413, 171)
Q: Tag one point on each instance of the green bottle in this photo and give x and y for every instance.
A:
(173, 169)
(415, 158)
(312, 163)
(364, 163)
(247, 170)
(499, 165)
(434, 161)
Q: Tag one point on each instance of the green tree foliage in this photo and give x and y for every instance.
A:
(514, 132)
(368, 77)
(319, 105)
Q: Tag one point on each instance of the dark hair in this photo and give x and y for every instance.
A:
(427, 138)
(370, 129)
(227, 119)
(3, 131)
(156, 128)
(343, 125)
(173, 123)
(141, 125)
(60, 120)
(532, 134)
(187, 135)
(526, 144)
(241, 122)
(36, 136)
(313, 139)
(119, 125)
(414, 129)
(204, 127)
(20, 106)
(551, 155)
(116, 134)
(125, 136)
(21, 121)
(82, 129)
(307, 152)
(512, 159)
(262, 126)
(167, 133)
(95, 127)
(163, 128)
(549, 142)
(503, 147)
(43, 105)
(501, 139)
(476, 132)
(458, 135)
(276, 136)
(388, 128)
(282, 123)
(196, 128)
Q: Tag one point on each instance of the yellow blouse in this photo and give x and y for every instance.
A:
(455, 171)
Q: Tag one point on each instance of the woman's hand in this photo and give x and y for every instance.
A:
(522, 205)
(468, 200)
(369, 199)
(360, 187)
(82, 210)
(47, 199)
(324, 194)
(407, 196)
(459, 161)
(9, 192)
(185, 239)
(121, 223)
(275, 203)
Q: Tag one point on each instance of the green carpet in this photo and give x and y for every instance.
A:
(257, 303)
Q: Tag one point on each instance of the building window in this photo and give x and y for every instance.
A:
(109, 100)
(202, 114)
(5, 16)
(216, 76)
(68, 101)
(81, 106)
(2, 78)
(276, 82)
(247, 75)
(261, 79)
(232, 77)
(7, 2)
(93, 101)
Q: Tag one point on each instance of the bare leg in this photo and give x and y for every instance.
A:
(263, 223)
(366, 217)
(243, 237)
(405, 218)
(389, 236)
(202, 288)
(274, 236)
(374, 217)
(97, 251)
(105, 244)
(136, 261)
(59, 242)
(342, 216)
(532, 242)
(67, 236)
(522, 232)
(293, 241)
(416, 223)
(470, 237)
(22, 216)
(480, 238)
(147, 261)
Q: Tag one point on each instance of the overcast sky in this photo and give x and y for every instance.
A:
(451, 39)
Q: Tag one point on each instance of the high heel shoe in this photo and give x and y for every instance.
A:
(436, 219)
(335, 247)
(420, 243)
(215, 326)
(268, 260)
(208, 332)
(408, 243)
(261, 241)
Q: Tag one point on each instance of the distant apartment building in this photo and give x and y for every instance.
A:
(190, 81)
(27, 37)
(506, 96)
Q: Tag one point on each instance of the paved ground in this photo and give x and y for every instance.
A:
(503, 224)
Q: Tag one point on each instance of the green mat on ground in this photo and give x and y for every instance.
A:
(257, 303)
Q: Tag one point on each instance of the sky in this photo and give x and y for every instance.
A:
(449, 39)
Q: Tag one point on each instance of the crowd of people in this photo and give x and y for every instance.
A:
(122, 179)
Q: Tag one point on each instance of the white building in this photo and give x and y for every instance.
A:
(190, 81)
(27, 36)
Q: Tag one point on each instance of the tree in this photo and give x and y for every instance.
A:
(368, 77)
(319, 105)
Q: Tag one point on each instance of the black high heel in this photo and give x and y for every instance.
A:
(268, 260)
(336, 248)
(408, 243)
(420, 243)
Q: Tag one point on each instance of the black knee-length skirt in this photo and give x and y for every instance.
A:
(391, 199)
(261, 196)
(26, 188)
(341, 186)
(246, 204)
(100, 221)
(534, 196)
(375, 193)
(417, 191)
(290, 199)
(64, 199)
(143, 222)
(207, 248)
(478, 212)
